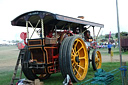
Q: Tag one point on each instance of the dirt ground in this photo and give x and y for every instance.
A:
(115, 58)
(8, 58)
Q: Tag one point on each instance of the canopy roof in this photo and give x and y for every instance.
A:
(51, 19)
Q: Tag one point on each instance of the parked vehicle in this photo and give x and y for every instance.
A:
(124, 43)
(59, 48)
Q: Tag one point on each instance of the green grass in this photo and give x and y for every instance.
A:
(57, 79)
(7, 47)
(8, 52)
(107, 67)
(5, 77)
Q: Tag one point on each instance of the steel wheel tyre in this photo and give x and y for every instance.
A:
(29, 73)
(96, 60)
(62, 54)
(75, 58)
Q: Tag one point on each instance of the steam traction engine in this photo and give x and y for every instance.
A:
(58, 48)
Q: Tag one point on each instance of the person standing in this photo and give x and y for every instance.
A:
(109, 47)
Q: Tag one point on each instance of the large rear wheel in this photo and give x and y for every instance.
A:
(74, 58)
(32, 74)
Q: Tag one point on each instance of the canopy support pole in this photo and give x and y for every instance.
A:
(42, 28)
(98, 34)
(27, 30)
(93, 33)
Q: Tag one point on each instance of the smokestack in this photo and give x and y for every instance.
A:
(81, 17)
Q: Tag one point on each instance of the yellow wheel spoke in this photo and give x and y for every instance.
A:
(73, 50)
(81, 67)
(79, 50)
(77, 54)
(77, 72)
(75, 44)
(80, 58)
(73, 64)
(72, 55)
(97, 64)
(96, 59)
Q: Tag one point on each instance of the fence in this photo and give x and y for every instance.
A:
(115, 77)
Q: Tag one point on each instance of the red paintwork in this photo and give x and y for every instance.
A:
(23, 36)
(20, 45)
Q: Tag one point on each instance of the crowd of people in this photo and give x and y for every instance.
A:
(108, 45)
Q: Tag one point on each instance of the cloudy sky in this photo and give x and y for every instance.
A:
(99, 11)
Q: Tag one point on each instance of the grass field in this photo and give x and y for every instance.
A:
(8, 56)
(57, 79)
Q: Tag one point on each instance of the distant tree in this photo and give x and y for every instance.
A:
(107, 36)
(103, 40)
(121, 34)
(15, 41)
(116, 35)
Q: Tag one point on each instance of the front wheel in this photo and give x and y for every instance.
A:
(96, 60)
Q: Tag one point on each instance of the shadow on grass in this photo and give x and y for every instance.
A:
(55, 79)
